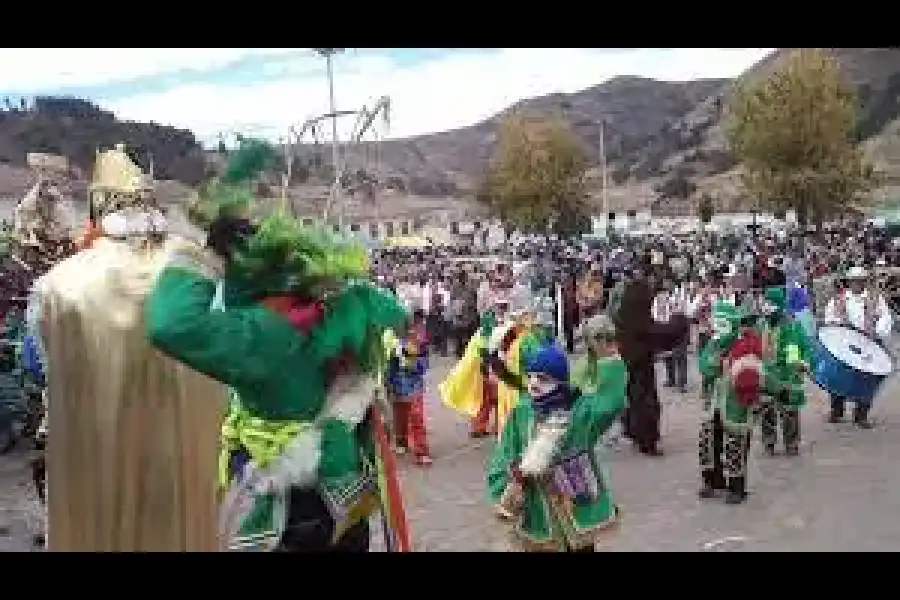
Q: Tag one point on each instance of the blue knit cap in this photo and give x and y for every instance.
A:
(550, 360)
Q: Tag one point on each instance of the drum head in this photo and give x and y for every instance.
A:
(856, 350)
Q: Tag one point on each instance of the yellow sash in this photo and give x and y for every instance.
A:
(463, 388)
(507, 396)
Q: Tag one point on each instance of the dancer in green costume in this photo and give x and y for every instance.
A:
(544, 476)
(731, 371)
(296, 332)
(599, 336)
(786, 358)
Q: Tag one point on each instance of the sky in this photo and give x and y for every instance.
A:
(265, 91)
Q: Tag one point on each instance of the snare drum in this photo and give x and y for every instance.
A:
(848, 363)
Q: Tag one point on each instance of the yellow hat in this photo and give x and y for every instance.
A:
(116, 176)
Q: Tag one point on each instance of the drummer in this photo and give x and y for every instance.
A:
(859, 306)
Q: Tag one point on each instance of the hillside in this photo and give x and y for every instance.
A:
(659, 135)
(75, 128)
(634, 109)
(874, 71)
(884, 151)
(441, 164)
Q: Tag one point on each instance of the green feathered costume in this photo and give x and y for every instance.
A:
(294, 328)
(786, 358)
(728, 410)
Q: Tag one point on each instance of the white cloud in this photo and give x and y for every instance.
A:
(454, 90)
(35, 69)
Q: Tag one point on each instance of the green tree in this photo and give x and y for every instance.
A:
(793, 134)
(536, 180)
(705, 208)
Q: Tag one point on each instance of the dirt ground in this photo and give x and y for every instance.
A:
(841, 493)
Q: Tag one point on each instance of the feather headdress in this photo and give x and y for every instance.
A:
(285, 255)
(231, 194)
(282, 254)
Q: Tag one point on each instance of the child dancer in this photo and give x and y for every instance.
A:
(544, 475)
(406, 384)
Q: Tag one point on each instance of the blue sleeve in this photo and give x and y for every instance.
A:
(421, 366)
(31, 359)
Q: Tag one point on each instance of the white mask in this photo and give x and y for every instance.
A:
(721, 327)
(539, 386)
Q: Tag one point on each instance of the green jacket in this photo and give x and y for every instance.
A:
(717, 391)
(277, 372)
(548, 522)
(789, 350)
(709, 360)
(586, 373)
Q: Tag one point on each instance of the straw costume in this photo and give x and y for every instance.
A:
(786, 354)
(732, 375)
(296, 332)
(131, 466)
(544, 477)
(39, 239)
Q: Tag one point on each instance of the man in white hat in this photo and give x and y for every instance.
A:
(857, 305)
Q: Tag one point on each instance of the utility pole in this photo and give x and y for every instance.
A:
(329, 53)
(288, 149)
(335, 149)
(603, 173)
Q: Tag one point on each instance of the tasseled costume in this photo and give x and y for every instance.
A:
(731, 368)
(786, 356)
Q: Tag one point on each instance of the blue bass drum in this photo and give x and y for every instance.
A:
(808, 322)
(848, 363)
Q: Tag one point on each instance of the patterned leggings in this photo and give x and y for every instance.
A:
(790, 425)
(723, 451)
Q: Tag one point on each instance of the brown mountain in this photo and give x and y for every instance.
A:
(634, 110)
(660, 132)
